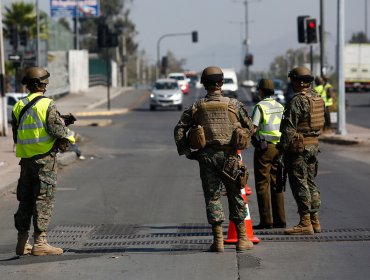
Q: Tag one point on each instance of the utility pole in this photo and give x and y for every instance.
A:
(4, 116)
(340, 71)
(246, 36)
(245, 2)
(37, 33)
(77, 32)
(322, 38)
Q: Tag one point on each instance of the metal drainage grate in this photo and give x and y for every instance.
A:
(183, 237)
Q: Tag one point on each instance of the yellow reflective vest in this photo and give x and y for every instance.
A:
(269, 126)
(32, 136)
(322, 91)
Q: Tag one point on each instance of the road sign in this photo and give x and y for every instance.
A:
(73, 8)
(14, 57)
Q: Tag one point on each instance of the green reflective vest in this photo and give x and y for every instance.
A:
(269, 126)
(32, 136)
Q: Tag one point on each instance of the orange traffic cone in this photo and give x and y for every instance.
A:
(231, 233)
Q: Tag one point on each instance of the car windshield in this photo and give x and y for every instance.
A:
(228, 81)
(167, 85)
(179, 78)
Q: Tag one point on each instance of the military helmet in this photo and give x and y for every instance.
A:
(36, 75)
(212, 74)
(266, 84)
(301, 74)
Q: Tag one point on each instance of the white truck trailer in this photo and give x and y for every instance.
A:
(357, 67)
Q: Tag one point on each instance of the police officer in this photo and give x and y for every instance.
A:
(266, 119)
(218, 116)
(38, 132)
(303, 119)
(328, 94)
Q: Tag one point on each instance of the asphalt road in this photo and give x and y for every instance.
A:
(134, 209)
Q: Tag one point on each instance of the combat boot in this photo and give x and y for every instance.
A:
(218, 238)
(243, 242)
(23, 245)
(315, 222)
(303, 228)
(42, 248)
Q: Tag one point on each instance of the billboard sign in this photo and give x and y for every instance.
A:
(73, 8)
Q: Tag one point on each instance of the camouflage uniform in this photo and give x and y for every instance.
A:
(38, 178)
(211, 161)
(302, 167)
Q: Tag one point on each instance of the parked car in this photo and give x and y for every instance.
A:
(230, 86)
(166, 93)
(182, 80)
(11, 99)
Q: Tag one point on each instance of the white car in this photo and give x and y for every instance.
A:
(230, 86)
(182, 80)
(11, 99)
(166, 93)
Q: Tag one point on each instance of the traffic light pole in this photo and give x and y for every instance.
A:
(158, 48)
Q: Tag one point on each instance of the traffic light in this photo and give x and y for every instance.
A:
(194, 36)
(106, 38)
(23, 37)
(311, 31)
(301, 24)
(112, 40)
(102, 35)
(248, 60)
(164, 65)
(13, 36)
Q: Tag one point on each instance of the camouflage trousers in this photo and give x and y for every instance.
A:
(36, 193)
(302, 170)
(211, 162)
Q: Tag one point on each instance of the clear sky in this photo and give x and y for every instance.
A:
(221, 28)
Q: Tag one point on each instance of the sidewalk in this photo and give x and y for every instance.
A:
(84, 104)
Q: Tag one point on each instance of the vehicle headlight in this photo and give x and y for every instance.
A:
(152, 95)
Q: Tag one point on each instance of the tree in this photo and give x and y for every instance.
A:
(116, 14)
(23, 15)
(359, 38)
(174, 64)
(282, 64)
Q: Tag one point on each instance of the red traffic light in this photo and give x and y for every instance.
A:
(311, 24)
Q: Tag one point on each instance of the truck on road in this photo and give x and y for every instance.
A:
(357, 67)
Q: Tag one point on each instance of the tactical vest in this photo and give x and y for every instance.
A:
(272, 112)
(315, 121)
(218, 119)
(32, 136)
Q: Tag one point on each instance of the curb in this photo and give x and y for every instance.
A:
(102, 113)
(341, 141)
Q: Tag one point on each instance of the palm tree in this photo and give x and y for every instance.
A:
(23, 16)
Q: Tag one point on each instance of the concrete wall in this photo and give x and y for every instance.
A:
(78, 67)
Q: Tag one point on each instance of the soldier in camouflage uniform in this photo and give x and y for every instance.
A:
(302, 122)
(212, 113)
(38, 132)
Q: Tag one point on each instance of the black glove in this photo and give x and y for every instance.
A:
(192, 155)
